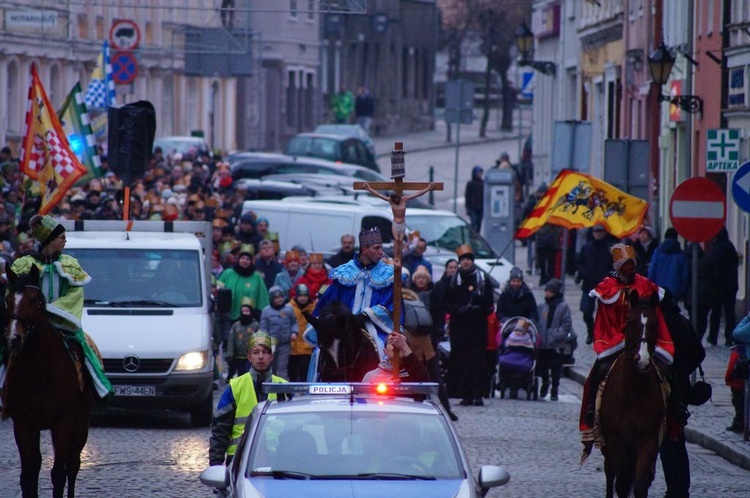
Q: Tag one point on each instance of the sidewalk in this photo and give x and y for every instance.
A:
(707, 423)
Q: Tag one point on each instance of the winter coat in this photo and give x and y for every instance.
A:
(421, 345)
(299, 345)
(594, 262)
(553, 337)
(724, 256)
(517, 303)
(250, 285)
(239, 339)
(474, 195)
(339, 258)
(269, 269)
(741, 334)
(669, 269)
(707, 283)
(286, 282)
(279, 323)
(643, 255)
(437, 307)
(469, 299)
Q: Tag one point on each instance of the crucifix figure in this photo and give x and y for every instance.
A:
(398, 201)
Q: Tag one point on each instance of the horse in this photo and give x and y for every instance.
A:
(633, 405)
(45, 388)
(347, 352)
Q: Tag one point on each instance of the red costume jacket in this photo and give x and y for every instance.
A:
(613, 314)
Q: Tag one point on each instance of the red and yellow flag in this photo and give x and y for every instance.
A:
(46, 156)
(577, 200)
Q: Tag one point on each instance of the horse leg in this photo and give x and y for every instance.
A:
(68, 440)
(27, 441)
(73, 459)
(609, 472)
(645, 468)
(58, 473)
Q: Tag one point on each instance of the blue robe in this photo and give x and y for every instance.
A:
(359, 288)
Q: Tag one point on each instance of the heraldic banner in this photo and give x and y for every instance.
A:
(577, 200)
(46, 156)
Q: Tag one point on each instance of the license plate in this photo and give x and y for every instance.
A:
(135, 391)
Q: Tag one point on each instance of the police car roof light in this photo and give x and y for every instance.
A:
(322, 388)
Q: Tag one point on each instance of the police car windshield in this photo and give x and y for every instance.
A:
(355, 445)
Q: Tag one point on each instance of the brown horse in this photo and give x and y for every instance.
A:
(45, 388)
(632, 407)
(347, 352)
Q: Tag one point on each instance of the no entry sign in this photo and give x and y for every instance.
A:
(698, 209)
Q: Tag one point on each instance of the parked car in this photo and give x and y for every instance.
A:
(348, 130)
(261, 164)
(181, 144)
(271, 189)
(351, 440)
(333, 148)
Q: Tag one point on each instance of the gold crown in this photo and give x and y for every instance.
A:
(622, 253)
(464, 249)
(315, 257)
(370, 237)
(291, 256)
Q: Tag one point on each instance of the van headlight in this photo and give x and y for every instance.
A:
(192, 361)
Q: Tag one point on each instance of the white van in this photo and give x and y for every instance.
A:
(318, 226)
(148, 309)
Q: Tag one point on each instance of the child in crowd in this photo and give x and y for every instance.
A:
(239, 336)
(555, 323)
(279, 321)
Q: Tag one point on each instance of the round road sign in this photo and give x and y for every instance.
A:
(741, 187)
(124, 67)
(124, 35)
(698, 209)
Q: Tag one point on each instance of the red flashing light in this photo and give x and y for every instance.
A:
(381, 389)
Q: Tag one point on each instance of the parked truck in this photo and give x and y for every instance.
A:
(148, 308)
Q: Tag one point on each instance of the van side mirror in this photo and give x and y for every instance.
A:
(224, 300)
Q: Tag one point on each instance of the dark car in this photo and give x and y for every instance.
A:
(269, 189)
(182, 144)
(339, 148)
(260, 164)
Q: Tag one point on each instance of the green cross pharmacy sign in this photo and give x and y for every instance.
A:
(722, 150)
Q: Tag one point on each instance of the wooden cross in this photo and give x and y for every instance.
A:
(398, 201)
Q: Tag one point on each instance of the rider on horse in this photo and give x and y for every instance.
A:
(61, 281)
(609, 338)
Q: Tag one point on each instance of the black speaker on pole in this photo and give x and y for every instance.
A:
(131, 138)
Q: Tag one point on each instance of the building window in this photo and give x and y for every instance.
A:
(291, 99)
(310, 10)
(100, 28)
(710, 21)
(83, 26)
(293, 9)
(14, 99)
(736, 97)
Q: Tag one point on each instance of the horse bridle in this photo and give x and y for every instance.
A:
(30, 328)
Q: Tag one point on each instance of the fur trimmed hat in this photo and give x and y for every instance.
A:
(45, 229)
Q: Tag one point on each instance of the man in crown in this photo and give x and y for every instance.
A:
(364, 285)
(609, 324)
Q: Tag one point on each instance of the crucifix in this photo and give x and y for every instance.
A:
(398, 201)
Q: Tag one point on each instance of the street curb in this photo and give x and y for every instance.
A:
(721, 448)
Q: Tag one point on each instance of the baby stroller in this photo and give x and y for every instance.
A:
(518, 340)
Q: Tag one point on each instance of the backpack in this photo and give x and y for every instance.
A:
(417, 318)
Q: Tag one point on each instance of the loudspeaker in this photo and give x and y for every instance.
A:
(131, 138)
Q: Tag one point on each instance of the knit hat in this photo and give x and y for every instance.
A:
(45, 229)
(301, 290)
(553, 285)
(275, 291)
(422, 270)
(622, 253)
(464, 251)
(516, 272)
(261, 338)
(671, 233)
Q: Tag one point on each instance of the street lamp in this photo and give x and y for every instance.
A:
(525, 44)
(660, 63)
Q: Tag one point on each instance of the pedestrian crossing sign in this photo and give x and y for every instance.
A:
(722, 150)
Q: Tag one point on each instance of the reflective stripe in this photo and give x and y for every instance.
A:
(245, 400)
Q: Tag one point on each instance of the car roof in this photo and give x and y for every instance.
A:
(332, 136)
(361, 403)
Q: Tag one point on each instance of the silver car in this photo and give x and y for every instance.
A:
(346, 440)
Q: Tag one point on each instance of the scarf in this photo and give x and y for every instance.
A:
(258, 379)
(244, 272)
(462, 275)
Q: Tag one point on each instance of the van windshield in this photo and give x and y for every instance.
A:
(141, 277)
(448, 232)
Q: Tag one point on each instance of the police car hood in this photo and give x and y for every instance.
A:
(265, 487)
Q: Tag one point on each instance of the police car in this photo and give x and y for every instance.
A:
(351, 440)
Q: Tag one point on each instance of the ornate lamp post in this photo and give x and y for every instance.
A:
(660, 63)
(525, 44)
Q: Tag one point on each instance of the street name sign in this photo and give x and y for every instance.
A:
(698, 209)
(722, 150)
(741, 187)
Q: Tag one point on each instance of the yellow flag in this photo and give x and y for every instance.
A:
(577, 200)
(46, 155)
